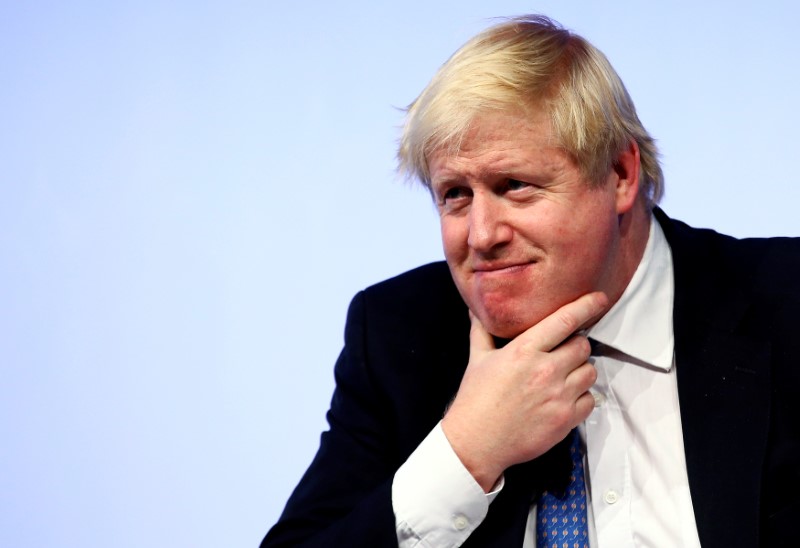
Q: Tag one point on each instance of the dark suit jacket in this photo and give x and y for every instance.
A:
(737, 304)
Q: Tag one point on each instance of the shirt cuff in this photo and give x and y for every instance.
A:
(436, 500)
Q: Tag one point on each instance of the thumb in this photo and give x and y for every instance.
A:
(480, 341)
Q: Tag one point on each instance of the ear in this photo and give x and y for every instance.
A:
(626, 171)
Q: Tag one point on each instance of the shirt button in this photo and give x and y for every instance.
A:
(460, 522)
(611, 496)
(599, 399)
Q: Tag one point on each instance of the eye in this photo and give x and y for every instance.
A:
(514, 184)
(454, 193)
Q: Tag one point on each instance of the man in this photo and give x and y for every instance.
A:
(660, 358)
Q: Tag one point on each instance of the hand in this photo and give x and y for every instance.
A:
(517, 402)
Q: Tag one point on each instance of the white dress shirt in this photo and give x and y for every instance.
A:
(637, 484)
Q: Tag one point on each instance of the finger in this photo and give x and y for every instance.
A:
(480, 340)
(580, 379)
(584, 406)
(576, 349)
(555, 328)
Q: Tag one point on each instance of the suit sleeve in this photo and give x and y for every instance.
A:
(344, 498)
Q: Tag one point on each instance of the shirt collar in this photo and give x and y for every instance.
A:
(640, 322)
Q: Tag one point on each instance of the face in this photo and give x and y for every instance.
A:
(523, 231)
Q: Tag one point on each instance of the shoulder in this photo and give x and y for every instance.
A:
(430, 280)
(418, 312)
(408, 336)
(425, 296)
(764, 265)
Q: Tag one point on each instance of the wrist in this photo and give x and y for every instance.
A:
(478, 462)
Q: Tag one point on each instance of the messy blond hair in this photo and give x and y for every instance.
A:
(525, 63)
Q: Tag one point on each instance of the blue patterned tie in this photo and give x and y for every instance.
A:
(561, 517)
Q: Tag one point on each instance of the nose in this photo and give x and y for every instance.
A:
(488, 226)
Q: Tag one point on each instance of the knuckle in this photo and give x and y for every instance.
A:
(520, 350)
(474, 331)
(580, 347)
(563, 418)
(584, 406)
(546, 371)
(527, 352)
(592, 374)
(586, 347)
(568, 319)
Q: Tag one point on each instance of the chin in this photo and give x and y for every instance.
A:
(506, 332)
(508, 319)
(506, 326)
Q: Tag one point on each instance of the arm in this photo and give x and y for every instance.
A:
(436, 500)
(392, 388)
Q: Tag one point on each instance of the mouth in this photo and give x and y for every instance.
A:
(501, 268)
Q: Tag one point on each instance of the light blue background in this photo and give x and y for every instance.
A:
(191, 192)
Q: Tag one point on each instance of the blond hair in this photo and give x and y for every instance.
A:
(524, 63)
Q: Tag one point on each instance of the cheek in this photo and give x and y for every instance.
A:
(454, 240)
(589, 251)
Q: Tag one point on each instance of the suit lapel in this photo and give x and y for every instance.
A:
(723, 386)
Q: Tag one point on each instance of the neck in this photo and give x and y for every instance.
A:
(634, 230)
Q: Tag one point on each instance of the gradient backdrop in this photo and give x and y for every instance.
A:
(191, 192)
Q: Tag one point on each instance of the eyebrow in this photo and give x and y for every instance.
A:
(447, 179)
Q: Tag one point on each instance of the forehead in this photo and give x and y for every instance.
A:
(498, 142)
